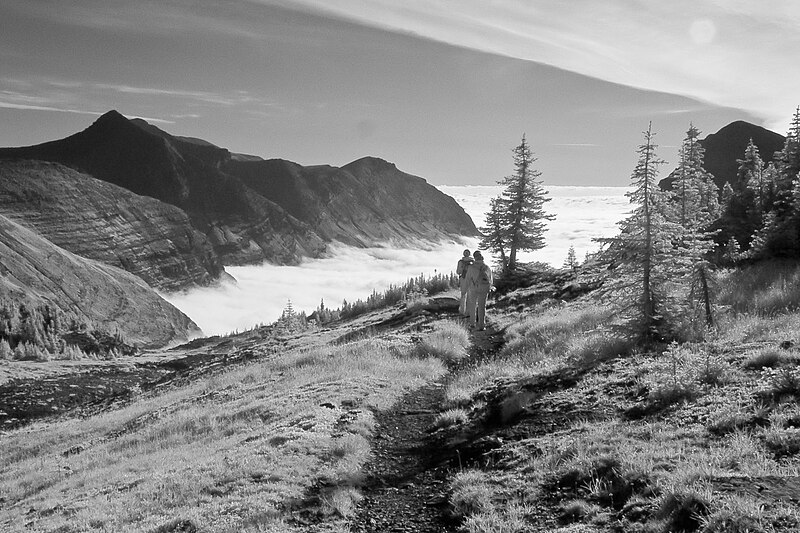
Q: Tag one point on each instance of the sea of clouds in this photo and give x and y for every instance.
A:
(261, 292)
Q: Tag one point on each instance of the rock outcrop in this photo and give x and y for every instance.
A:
(101, 221)
(35, 270)
(253, 210)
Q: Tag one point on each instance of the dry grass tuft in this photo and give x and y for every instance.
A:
(448, 341)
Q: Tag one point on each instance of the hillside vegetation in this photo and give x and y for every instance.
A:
(564, 426)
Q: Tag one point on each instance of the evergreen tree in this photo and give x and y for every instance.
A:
(571, 262)
(779, 234)
(641, 255)
(694, 192)
(494, 234)
(521, 206)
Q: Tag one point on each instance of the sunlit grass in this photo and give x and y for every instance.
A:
(235, 452)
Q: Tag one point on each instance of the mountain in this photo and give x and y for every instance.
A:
(723, 148)
(253, 210)
(728, 144)
(101, 221)
(35, 270)
(366, 201)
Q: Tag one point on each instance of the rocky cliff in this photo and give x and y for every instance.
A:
(253, 210)
(35, 270)
(367, 201)
(101, 221)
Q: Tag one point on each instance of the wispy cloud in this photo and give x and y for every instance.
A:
(30, 107)
(735, 53)
(576, 145)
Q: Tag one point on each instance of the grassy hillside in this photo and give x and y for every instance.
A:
(551, 422)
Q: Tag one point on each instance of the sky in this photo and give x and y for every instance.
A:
(443, 88)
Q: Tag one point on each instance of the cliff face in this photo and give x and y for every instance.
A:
(253, 210)
(101, 221)
(108, 297)
(365, 202)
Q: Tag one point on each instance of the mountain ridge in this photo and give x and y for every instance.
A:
(248, 208)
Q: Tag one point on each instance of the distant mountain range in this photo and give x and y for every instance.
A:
(173, 210)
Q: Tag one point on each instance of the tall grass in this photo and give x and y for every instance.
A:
(540, 344)
(764, 289)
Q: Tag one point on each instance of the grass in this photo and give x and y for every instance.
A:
(237, 452)
(448, 341)
(660, 430)
(539, 344)
(765, 289)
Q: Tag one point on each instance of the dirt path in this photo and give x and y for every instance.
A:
(406, 488)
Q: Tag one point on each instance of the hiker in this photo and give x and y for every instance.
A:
(461, 270)
(480, 281)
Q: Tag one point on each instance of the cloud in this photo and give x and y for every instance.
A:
(262, 292)
(30, 107)
(734, 53)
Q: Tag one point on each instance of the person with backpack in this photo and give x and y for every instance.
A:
(480, 282)
(461, 271)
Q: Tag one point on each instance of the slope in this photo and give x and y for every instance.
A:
(35, 270)
(101, 221)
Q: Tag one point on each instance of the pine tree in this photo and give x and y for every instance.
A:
(694, 192)
(779, 234)
(521, 206)
(641, 255)
(571, 262)
(494, 234)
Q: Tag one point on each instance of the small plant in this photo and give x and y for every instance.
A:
(779, 382)
(782, 442)
(683, 511)
(765, 358)
(579, 510)
(450, 418)
(472, 494)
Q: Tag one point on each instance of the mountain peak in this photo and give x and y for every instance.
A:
(370, 164)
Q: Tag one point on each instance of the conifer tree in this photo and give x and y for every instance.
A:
(641, 255)
(521, 206)
(571, 262)
(494, 233)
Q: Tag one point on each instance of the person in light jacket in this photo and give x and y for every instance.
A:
(479, 281)
(461, 270)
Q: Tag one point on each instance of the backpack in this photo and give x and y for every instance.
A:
(483, 277)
